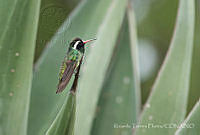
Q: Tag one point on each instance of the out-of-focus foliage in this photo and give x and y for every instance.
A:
(194, 92)
(155, 24)
(108, 97)
(156, 19)
(112, 110)
(172, 83)
(18, 26)
(191, 125)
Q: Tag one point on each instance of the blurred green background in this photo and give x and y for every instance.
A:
(34, 36)
(155, 24)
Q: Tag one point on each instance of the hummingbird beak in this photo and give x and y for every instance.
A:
(89, 40)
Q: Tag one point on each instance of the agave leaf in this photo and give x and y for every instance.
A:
(194, 92)
(94, 70)
(134, 57)
(64, 121)
(85, 21)
(155, 25)
(191, 125)
(118, 105)
(18, 27)
(168, 101)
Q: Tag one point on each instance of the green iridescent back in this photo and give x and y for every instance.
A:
(72, 55)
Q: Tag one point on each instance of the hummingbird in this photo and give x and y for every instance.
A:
(72, 61)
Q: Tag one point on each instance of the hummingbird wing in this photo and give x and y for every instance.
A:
(67, 70)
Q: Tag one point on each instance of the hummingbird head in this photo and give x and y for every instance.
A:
(79, 44)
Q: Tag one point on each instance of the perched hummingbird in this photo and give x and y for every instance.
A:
(71, 62)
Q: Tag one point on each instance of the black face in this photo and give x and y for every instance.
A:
(78, 44)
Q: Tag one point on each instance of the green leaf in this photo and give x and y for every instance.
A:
(191, 125)
(98, 60)
(118, 103)
(134, 57)
(18, 27)
(64, 121)
(85, 21)
(194, 92)
(168, 101)
(155, 24)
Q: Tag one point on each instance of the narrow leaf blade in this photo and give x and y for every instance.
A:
(191, 125)
(134, 57)
(64, 121)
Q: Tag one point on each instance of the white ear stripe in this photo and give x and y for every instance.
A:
(77, 42)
